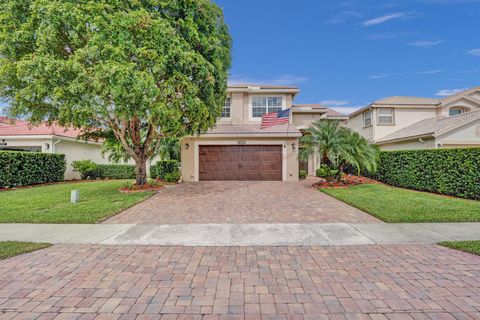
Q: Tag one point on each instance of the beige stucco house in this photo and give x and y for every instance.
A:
(238, 149)
(21, 136)
(402, 123)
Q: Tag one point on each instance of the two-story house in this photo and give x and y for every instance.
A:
(401, 123)
(238, 149)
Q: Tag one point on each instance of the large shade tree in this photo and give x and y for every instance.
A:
(140, 70)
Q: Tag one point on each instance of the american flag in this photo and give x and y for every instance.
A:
(274, 118)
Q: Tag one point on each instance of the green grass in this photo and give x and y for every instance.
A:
(51, 204)
(401, 205)
(13, 248)
(465, 246)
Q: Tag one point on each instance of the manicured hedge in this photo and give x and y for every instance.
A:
(166, 170)
(116, 171)
(91, 170)
(454, 172)
(19, 169)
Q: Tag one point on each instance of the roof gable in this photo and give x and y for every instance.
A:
(432, 127)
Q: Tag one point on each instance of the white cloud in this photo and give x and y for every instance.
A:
(281, 80)
(424, 43)
(343, 17)
(335, 102)
(383, 19)
(387, 75)
(474, 52)
(449, 92)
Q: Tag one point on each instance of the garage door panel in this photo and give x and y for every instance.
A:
(247, 162)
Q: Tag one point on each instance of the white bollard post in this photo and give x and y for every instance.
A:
(75, 196)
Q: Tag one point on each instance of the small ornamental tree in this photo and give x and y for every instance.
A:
(140, 70)
(338, 147)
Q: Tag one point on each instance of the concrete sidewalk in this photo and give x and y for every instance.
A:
(241, 234)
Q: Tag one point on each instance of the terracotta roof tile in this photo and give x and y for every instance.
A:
(261, 86)
(248, 129)
(431, 126)
(318, 107)
(25, 129)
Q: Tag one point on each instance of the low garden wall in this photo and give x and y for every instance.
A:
(454, 172)
(18, 169)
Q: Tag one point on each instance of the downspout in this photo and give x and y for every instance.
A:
(54, 143)
(424, 142)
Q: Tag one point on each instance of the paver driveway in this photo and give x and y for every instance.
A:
(241, 202)
(419, 282)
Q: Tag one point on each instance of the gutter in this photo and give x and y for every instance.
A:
(406, 138)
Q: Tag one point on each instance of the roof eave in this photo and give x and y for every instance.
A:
(426, 135)
(250, 135)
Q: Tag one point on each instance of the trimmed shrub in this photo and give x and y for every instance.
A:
(163, 168)
(116, 171)
(328, 173)
(91, 170)
(18, 169)
(454, 172)
(302, 174)
(86, 168)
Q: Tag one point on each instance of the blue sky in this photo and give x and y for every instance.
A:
(349, 53)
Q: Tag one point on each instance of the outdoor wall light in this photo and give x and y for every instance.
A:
(293, 146)
(187, 146)
(47, 146)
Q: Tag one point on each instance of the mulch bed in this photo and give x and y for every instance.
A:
(345, 182)
(144, 188)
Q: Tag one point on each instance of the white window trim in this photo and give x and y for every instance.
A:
(462, 109)
(231, 102)
(196, 161)
(250, 104)
(371, 118)
(389, 123)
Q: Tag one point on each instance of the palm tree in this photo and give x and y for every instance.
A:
(338, 146)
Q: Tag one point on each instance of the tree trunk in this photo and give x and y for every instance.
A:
(141, 171)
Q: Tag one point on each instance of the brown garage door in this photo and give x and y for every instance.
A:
(240, 163)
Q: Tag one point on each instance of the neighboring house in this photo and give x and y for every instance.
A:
(19, 135)
(402, 123)
(238, 149)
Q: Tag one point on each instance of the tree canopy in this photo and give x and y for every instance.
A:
(141, 70)
(338, 146)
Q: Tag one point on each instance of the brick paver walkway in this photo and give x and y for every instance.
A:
(345, 282)
(242, 202)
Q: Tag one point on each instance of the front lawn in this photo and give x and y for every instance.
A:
(51, 204)
(465, 246)
(12, 248)
(401, 205)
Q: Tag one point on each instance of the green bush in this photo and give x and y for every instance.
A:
(19, 169)
(116, 171)
(172, 176)
(302, 174)
(163, 168)
(90, 170)
(328, 173)
(454, 172)
(86, 168)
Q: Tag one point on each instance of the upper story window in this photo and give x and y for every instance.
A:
(226, 110)
(367, 118)
(456, 111)
(385, 115)
(264, 104)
